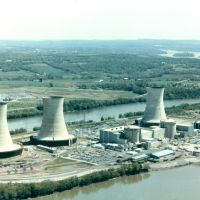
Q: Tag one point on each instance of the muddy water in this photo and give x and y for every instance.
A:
(172, 184)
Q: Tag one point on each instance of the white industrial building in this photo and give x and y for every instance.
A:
(7, 147)
(185, 129)
(146, 134)
(158, 132)
(131, 133)
(112, 135)
(161, 154)
(53, 131)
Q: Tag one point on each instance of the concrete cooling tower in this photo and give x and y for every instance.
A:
(53, 131)
(7, 147)
(154, 111)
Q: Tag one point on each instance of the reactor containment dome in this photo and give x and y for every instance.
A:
(7, 147)
(53, 131)
(154, 111)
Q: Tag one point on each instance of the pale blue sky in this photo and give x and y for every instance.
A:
(99, 19)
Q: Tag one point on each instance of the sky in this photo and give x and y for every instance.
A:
(99, 19)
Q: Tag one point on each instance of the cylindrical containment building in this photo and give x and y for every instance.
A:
(170, 128)
(7, 147)
(154, 111)
(53, 131)
(132, 133)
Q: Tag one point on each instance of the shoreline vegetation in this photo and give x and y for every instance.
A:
(74, 105)
(14, 191)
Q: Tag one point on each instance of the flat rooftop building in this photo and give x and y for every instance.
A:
(139, 158)
(161, 154)
(111, 135)
(186, 129)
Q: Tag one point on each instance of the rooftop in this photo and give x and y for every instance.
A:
(162, 153)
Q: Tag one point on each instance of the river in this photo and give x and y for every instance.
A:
(170, 53)
(93, 114)
(171, 184)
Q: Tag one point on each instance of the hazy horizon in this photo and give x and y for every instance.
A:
(99, 20)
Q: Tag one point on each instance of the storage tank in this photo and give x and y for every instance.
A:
(170, 128)
(53, 131)
(154, 111)
(132, 133)
(7, 147)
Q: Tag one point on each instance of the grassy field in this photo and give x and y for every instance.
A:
(74, 93)
(62, 162)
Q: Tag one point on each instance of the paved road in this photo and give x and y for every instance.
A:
(54, 177)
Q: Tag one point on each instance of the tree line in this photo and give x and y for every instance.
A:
(11, 191)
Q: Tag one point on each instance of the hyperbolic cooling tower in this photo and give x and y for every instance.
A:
(154, 111)
(7, 147)
(53, 131)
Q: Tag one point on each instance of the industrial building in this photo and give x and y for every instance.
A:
(53, 131)
(7, 147)
(146, 134)
(161, 154)
(139, 158)
(158, 132)
(112, 135)
(185, 129)
(151, 144)
(132, 133)
(154, 111)
(170, 128)
(197, 124)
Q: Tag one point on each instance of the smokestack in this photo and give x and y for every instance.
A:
(53, 131)
(7, 147)
(154, 111)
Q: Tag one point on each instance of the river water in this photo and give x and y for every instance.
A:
(171, 184)
(93, 114)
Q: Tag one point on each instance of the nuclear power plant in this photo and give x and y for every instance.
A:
(7, 147)
(154, 111)
(53, 131)
(153, 138)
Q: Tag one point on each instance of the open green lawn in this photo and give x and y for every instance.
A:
(16, 75)
(74, 93)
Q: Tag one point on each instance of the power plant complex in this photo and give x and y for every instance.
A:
(154, 126)
(49, 153)
(146, 132)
